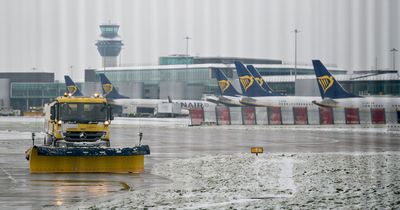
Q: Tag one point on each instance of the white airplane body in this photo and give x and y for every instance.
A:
(152, 103)
(388, 103)
(281, 101)
(115, 98)
(226, 100)
(334, 95)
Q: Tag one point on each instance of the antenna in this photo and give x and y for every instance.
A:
(140, 134)
(187, 50)
(296, 31)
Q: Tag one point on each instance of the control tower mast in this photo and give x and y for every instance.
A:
(109, 45)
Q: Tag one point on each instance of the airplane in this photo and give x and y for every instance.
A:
(229, 95)
(260, 80)
(334, 95)
(115, 98)
(72, 88)
(255, 95)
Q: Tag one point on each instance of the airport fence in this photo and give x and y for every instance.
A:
(247, 115)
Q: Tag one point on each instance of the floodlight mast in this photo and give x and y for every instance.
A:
(296, 31)
(187, 49)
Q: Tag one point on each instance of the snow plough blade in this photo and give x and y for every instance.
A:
(45, 159)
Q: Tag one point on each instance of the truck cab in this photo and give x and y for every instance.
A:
(78, 121)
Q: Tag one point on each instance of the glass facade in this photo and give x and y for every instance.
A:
(200, 76)
(204, 76)
(25, 95)
(175, 60)
(291, 71)
(379, 87)
(287, 88)
(155, 76)
(36, 90)
(109, 31)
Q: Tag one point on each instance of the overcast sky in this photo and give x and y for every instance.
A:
(52, 35)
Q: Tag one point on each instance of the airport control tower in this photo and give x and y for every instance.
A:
(109, 45)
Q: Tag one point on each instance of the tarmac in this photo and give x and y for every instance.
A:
(169, 141)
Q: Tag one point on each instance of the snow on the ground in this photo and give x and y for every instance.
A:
(36, 124)
(367, 128)
(244, 181)
(151, 121)
(116, 121)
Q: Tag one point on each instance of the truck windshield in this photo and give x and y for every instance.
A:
(83, 113)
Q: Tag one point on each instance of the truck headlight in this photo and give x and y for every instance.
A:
(59, 122)
(106, 122)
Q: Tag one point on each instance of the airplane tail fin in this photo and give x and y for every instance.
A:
(108, 89)
(328, 86)
(72, 88)
(248, 83)
(225, 86)
(260, 80)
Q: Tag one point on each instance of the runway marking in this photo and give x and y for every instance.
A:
(9, 175)
(125, 186)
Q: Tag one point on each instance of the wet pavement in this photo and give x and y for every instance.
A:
(21, 190)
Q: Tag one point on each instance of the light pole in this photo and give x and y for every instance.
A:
(187, 50)
(71, 66)
(394, 51)
(296, 31)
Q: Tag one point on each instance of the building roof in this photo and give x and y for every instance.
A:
(207, 65)
(28, 76)
(343, 77)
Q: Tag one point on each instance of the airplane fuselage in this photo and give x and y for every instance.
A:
(388, 103)
(226, 100)
(281, 101)
(152, 103)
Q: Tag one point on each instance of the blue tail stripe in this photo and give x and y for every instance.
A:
(328, 86)
(72, 87)
(248, 83)
(109, 90)
(264, 85)
(256, 74)
(225, 86)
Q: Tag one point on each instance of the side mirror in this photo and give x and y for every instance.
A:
(110, 114)
(52, 113)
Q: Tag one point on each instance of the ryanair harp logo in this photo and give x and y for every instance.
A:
(223, 84)
(247, 81)
(326, 82)
(72, 89)
(107, 88)
(259, 80)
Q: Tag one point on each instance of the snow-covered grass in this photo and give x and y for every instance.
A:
(244, 181)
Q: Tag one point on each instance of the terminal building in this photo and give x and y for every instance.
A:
(21, 90)
(181, 77)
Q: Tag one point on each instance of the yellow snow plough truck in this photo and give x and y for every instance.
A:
(77, 140)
